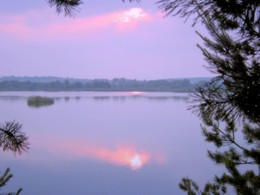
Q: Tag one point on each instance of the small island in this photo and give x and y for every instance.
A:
(38, 101)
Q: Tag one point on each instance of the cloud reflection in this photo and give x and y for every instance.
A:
(128, 156)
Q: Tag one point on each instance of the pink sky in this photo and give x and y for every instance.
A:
(121, 21)
(117, 40)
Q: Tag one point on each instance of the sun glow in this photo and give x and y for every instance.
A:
(132, 15)
(128, 156)
(136, 163)
(125, 156)
(137, 92)
(19, 25)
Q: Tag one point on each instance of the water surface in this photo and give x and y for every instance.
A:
(105, 143)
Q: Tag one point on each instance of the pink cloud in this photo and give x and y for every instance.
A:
(120, 21)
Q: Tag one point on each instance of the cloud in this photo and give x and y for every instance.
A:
(25, 26)
(130, 18)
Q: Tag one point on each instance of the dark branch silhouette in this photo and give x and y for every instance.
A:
(70, 7)
(6, 176)
(12, 138)
(231, 101)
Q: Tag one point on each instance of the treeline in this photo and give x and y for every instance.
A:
(180, 85)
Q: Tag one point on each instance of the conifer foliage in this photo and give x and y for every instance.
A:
(230, 104)
(12, 139)
(70, 7)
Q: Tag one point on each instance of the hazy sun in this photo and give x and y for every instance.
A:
(136, 162)
(132, 15)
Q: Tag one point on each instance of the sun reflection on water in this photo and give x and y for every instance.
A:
(137, 92)
(128, 156)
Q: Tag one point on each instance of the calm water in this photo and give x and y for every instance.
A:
(105, 143)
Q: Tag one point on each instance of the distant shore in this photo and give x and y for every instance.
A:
(55, 84)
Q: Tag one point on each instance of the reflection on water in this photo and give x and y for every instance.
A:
(105, 96)
(101, 98)
(137, 92)
(128, 156)
(67, 98)
(129, 143)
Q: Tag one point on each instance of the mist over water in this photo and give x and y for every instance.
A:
(105, 143)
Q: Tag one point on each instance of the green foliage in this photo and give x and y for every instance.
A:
(239, 96)
(189, 186)
(38, 101)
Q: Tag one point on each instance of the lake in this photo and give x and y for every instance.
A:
(132, 143)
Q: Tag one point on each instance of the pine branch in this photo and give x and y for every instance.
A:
(5, 177)
(12, 138)
(70, 7)
(189, 186)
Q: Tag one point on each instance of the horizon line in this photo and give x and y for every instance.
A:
(81, 78)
